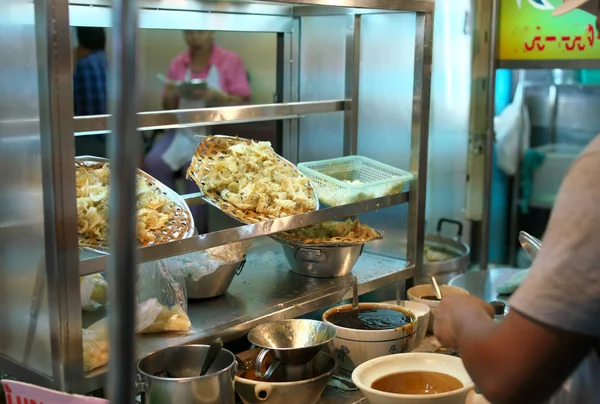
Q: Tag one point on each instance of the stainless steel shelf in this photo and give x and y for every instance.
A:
(180, 118)
(267, 290)
(202, 242)
(397, 5)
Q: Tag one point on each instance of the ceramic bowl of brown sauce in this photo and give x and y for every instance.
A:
(426, 295)
(374, 330)
(415, 378)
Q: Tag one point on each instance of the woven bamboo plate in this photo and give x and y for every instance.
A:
(181, 227)
(331, 242)
(215, 147)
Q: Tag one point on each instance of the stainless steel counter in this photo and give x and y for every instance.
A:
(333, 396)
(267, 290)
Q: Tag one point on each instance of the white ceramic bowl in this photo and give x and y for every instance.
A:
(364, 375)
(422, 311)
(352, 347)
(416, 293)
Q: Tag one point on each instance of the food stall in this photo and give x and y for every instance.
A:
(326, 103)
(546, 52)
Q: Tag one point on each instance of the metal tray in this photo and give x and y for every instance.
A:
(172, 195)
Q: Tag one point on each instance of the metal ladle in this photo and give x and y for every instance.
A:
(211, 355)
(355, 294)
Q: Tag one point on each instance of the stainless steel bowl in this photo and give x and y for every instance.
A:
(215, 284)
(293, 342)
(321, 261)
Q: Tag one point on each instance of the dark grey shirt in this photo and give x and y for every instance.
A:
(562, 289)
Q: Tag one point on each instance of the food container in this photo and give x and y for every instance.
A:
(303, 384)
(422, 311)
(321, 261)
(181, 227)
(351, 179)
(351, 347)
(458, 253)
(184, 363)
(364, 376)
(416, 294)
(214, 284)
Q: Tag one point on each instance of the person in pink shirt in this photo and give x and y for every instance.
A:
(227, 84)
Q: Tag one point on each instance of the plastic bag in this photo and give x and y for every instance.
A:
(202, 263)
(95, 345)
(511, 126)
(149, 315)
(163, 281)
(94, 292)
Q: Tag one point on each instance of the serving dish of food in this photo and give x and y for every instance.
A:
(326, 250)
(423, 378)
(162, 215)
(341, 233)
(371, 331)
(248, 181)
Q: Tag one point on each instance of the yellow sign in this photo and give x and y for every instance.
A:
(529, 31)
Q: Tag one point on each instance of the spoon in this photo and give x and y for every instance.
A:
(530, 244)
(436, 288)
(213, 352)
(355, 294)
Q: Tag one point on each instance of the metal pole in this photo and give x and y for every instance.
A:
(123, 150)
(489, 142)
(352, 84)
(419, 140)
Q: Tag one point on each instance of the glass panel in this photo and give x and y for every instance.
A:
(22, 252)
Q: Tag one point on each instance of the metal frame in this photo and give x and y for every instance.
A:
(174, 119)
(489, 141)
(63, 267)
(549, 64)
(56, 101)
(420, 139)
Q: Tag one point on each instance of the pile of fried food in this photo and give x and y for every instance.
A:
(154, 210)
(333, 232)
(251, 177)
(433, 255)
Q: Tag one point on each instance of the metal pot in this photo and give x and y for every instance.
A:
(321, 261)
(446, 269)
(305, 386)
(483, 284)
(214, 284)
(183, 363)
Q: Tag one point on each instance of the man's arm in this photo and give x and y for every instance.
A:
(553, 323)
(519, 360)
